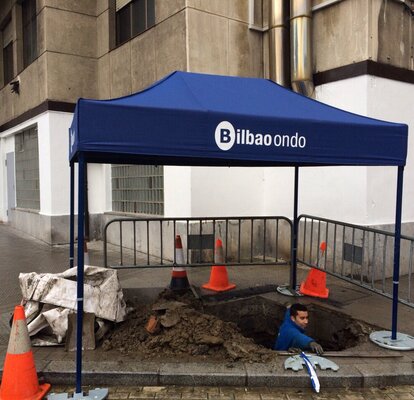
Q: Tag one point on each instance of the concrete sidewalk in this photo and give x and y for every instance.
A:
(110, 368)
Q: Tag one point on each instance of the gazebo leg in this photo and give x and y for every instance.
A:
(292, 289)
(395, 340)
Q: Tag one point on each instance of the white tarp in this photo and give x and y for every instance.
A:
(102, 292)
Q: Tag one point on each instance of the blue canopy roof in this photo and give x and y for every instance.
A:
(198, 119)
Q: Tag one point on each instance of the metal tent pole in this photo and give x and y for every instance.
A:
(295, 231)
(72, 215)
(290, 289)
(79, 319)
(395, 340)
(397, 240)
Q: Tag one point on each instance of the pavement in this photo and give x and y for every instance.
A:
(370, 372)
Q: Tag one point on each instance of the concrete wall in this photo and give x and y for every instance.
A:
(146, 58)
(354, 30)
(50, 223)
(387, 100)
(392, 101)
(6, 146)
(219, 40)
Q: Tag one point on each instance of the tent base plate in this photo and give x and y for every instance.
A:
(94, 394)
(383, 339)
(286, 290)
(296, 363)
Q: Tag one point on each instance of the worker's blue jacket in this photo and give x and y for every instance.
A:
(291, 335)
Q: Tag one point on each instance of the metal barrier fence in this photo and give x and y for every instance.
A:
(358, 254)
(149, 242)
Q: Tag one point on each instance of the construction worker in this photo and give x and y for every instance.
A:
(292, 331)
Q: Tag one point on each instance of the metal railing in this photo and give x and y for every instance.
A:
(150, 242)
(357, 254)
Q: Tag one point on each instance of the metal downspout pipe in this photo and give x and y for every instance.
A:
(291, 65)
(279, 42)
(301, 47)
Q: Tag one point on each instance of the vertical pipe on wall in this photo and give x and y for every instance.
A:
(279, 42)
(301, 70)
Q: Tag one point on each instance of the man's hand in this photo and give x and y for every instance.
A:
(294, 350)
(316, 348)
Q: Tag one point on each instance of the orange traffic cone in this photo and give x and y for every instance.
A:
(179, 280)
(219, 280)
(19, 381)
(315, 283)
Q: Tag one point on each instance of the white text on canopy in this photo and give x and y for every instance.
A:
(226, 136)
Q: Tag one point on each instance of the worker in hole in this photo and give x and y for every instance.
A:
(292, 331)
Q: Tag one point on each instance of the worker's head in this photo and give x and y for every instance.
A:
(299, 315)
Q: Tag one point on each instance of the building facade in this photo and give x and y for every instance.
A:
(55, 51)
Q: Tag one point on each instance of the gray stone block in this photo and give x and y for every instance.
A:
(198, 374)
(387, 374)
(104, 373)
(274, 375)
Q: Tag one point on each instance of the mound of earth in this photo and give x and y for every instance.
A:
(179, 328)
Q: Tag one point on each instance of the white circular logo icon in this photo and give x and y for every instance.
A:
(225, 135)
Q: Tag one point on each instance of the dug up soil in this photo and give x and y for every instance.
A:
(175, 327)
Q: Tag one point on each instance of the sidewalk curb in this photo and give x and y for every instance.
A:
(241, 375)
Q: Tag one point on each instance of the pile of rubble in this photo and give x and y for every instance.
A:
(176, 326)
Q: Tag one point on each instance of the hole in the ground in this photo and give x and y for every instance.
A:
(260, 318)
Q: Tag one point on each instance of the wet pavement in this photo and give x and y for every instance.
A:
(243, 393)
(369, 377)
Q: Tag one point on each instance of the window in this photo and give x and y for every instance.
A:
(29, 31)
(8, 66)
(138, 189)
(133, 17)
(27, 169)
(8, 63)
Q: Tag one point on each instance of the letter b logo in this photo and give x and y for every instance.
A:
(225, 135)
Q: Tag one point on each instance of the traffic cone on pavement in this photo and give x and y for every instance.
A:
(315, 283)
(19, 381)
(179, 280)
(219, 280)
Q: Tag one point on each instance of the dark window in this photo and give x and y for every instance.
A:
(8, 63)
(27, 169)
(133, 19)
(29, 31)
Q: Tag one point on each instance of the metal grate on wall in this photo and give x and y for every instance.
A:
(27, 169)
(138, 189)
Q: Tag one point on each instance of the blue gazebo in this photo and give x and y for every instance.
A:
(209, 120)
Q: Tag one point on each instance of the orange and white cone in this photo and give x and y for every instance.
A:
(219, 279)
(315, 283)
(179, 280)
(19, 381)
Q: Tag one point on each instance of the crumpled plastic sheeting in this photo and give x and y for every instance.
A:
(102, 292)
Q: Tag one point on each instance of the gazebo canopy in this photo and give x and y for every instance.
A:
(198, 119)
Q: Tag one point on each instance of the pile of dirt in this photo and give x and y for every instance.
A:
(180, 328)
